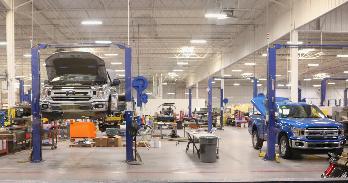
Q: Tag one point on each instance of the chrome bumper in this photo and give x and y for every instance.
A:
(95, 106)
(299, 144)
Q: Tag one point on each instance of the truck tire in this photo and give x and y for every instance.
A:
(256, 140)
(285, 150)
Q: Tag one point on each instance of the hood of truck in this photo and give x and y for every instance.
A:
(311, 122)
(260, 104)
(76, 63)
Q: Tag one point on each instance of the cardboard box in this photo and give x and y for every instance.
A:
(101, 142)
(118, 140)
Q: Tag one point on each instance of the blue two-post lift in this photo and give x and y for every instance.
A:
(35, 107)
(210, 99)
(271, 91)
(323, 88)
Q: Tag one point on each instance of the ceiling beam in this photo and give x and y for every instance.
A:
(251, 41)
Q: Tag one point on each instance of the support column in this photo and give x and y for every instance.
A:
(10, 49)
(160, 87)
(294, 67)
(197, 91)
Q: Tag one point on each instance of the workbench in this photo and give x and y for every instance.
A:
(193, 137)
(161, 124)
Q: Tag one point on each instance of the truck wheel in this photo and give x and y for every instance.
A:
(284, 147)
(257, 142)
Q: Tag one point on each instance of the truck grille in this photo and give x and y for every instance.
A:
(71, 87)
(71, 98)
(321, 133)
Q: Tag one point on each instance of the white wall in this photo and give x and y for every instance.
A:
(181, 105)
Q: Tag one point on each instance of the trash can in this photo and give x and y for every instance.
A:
(207, 150)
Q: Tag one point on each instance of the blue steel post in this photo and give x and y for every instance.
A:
(128, 97)
(271, 83)
(35, 107)
(345, 100)
(323, 91)
(21, 91)
(254, 87)
(190, 103)
(221, 108)
(210, 102)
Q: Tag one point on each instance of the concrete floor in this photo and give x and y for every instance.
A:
(238, 162)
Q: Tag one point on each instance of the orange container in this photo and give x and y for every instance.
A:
(82, 130)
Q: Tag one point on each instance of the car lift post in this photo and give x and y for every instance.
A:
(323, 88)
(21, 91)
(270, 116)
(345, 99)
(210, 102)
(190, 103)
(35, 101)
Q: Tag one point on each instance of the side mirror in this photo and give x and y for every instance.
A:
(115, 82)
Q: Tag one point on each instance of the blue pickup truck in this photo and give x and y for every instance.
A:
(300, 127)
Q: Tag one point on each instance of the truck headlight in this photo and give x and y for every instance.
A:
(100, 93)
(46, 92)
(298, 132)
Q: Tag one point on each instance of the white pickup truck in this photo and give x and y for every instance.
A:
(78, 86)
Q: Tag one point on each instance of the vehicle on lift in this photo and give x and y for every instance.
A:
(78, 86)
(300, 127)
(167, 113)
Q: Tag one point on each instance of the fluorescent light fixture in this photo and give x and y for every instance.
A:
(316, 85)
(247, 74)
(27, 55)
(26, 85)
(172, 74)
(249, 63)
(289, 71)
(187, 51)
(313, 65)
(281, 85)
(259, 84)
(121, 75)
(91, 22)
(213, 82)
(103, 42)
(345, 72)
(227, 75)
(182, 63)
(116, 63)
(264, 54)
(148, 93)
(307, 79)
(262, 79)
(236, 84)
(331, 83)
(170, 93)
(119, 70)
(278, 75)
(342, 56)
(164, 83)
(217, 79)
(237, 70)
(3, 43)
(289, 42)
(288, 84)
(186, 93)
(178, 70)
(198, 41)
(110, 54)
(218, 16)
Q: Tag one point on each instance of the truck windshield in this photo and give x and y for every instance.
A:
(300, 111)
